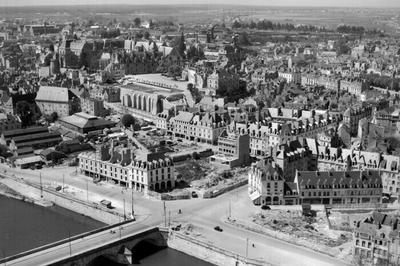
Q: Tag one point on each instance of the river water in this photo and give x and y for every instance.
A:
(24, 226)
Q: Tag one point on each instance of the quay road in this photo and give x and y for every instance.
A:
(203, 214)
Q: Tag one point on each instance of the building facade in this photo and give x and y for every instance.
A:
(57, 100)
(123, 168)
(205, 127)
(233, 150)
(339, 187)
(376, 240)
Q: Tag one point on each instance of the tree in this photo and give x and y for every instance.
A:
(137, 22)
(194, 54)
(195, 92)
(24, 110)
(236, 24)
(3, 151)
(181, 45)
(54, 116)
(243, 39)
(342, 47)
(174, 71)
(128, 120)
(139, 35)
(155, 49)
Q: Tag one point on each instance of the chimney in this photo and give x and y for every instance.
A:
(104, 153)
(126, 157)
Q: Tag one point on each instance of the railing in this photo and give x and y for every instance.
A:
(358, 206)
(227, 253)
(63, 241)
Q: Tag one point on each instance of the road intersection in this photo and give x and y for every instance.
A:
(203, 214)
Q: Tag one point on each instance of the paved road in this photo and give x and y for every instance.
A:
(203, 213)
(78, 246)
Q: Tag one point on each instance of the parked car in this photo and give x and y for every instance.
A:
(106, 203)
(265, 207)
(217, 228)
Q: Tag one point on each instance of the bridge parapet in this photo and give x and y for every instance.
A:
(117, 240)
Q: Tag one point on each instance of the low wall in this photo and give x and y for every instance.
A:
(165, 196)
(214, 193)
(92, 210)
(63, 241)
(207, 252)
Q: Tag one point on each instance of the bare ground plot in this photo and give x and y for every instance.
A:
(348, 218)
(291, 222)
(200, 175)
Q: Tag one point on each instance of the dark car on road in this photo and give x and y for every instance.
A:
(265, 207)
(217, 228)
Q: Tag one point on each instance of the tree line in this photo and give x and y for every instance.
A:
(269, 25)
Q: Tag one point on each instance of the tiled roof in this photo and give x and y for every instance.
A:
(184, 117)
(349, 178)
(83, 120)
(24, 131)
(52, 94)
(32, 137)
(40, 141)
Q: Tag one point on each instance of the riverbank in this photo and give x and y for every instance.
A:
(25, 226)
(20, 189)
(11, 193)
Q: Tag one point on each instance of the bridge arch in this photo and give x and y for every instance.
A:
(135, 100)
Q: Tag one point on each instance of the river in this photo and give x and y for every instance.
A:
(24, 226)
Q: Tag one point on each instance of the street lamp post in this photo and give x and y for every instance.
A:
(133, 211)
(230, 210)
(165, 215)
(124, 211)
(41, 185)
(69, 241)
(4, 255)
(87, 191)
(247, 248)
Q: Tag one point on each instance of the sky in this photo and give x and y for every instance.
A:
(324, 3)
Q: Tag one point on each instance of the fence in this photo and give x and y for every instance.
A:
(358, 206)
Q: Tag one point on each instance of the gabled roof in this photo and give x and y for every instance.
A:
(183, 117)
(349, 178)
(24, 131)
(83, 120)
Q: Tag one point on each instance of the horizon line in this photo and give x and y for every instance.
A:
(189, 4)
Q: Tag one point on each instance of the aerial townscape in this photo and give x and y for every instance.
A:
(199, 135)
